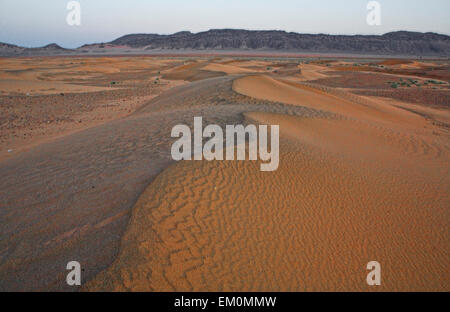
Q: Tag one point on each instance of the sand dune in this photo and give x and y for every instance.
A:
(311, 72)
(360, 179)
(310, 226)
(193, 71)
(53, 76)
(365, 183)
(285, 91)
(75, 183)
(228, 69)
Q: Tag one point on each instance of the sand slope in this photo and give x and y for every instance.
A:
(359, 180)
(69, 75)
(228, 69)
(277, 90)
(350, 189)
(71, 198)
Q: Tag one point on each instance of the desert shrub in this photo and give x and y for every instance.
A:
(434, 82)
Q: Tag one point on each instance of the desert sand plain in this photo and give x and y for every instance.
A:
(87, 175)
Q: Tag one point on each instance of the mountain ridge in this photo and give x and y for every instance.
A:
(401, 42)
(392, 43)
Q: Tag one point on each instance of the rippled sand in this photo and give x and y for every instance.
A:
(369, 183)
(360, 179)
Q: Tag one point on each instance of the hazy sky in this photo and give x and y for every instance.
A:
(39, 22)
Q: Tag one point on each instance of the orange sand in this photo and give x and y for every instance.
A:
(360, 179)
(369, 184)
(37, 76)
(228, 69)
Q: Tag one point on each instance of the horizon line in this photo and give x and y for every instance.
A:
(237, 29)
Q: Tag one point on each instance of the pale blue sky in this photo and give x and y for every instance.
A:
(39, 22)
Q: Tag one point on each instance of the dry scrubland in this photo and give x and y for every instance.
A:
(87, 174)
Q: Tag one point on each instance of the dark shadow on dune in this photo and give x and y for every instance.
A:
(71, 199)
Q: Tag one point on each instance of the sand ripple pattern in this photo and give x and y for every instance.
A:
(71, 199)
(358, 183)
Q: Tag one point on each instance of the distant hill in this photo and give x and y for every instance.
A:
(52, 48)
(10, 49)
(13, 50)
(394, 43)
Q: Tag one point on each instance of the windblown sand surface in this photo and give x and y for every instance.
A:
(360, 179)
(37, 76)
(45, 98)
(43, 87)
(369, 183)
(228, 69)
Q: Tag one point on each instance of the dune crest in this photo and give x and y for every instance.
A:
(345, 193)
(363, 175)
